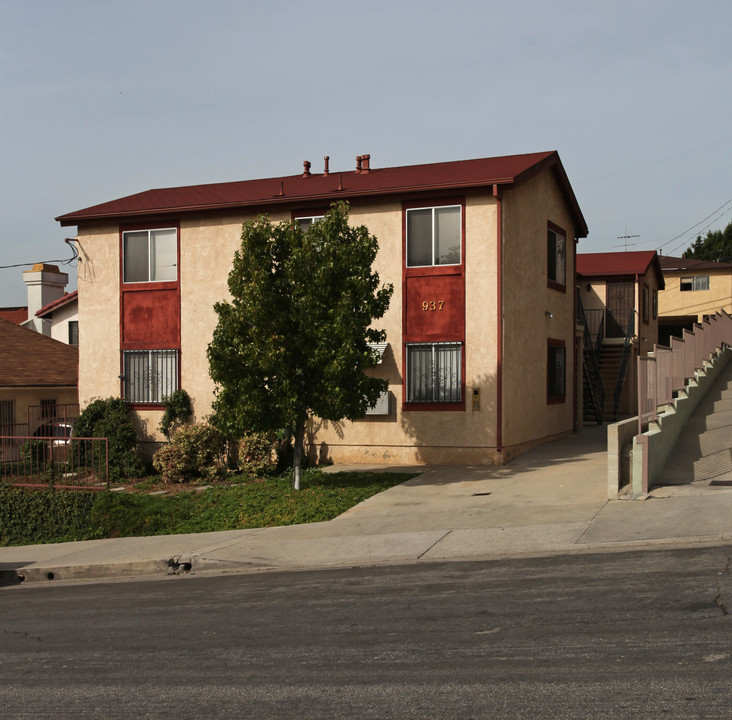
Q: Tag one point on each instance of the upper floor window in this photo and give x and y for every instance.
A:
(150, 255)
(306, 222)
(695, 282)
(434, 236)
(74, 333)
(556, 253)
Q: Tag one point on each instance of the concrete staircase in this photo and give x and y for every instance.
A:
(703, 452)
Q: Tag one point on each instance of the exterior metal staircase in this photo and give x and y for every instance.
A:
(593, 392)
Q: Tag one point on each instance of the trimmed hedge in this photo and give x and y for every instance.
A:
(29, 517)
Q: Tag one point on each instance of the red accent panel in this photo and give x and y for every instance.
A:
(443, 296)
(150, 319)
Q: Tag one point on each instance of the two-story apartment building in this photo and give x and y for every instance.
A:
(481, 356)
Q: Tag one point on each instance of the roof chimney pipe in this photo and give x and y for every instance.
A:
(365, 163)
(326, 162)
(358, 163)
(306, 168)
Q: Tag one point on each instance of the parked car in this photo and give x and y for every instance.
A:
(59, 431)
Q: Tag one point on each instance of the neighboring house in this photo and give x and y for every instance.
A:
(694, 289)
(619, 292)
(482, 347)
(35, 372)
(50, 310)
(63, 316)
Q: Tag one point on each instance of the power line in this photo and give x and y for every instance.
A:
(63, 261)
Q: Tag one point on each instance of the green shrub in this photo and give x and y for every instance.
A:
(41, 516)
(194, 451)
(257, 453)
(178, 411)
(110, 418)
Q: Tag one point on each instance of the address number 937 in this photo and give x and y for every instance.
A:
(432, 304)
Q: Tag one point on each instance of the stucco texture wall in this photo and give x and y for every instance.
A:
(672, 301)
(99, 330)
(527, 303)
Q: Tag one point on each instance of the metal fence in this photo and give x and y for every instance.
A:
(48, 461)
(666, 370)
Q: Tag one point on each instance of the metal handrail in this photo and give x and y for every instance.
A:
(592, 365)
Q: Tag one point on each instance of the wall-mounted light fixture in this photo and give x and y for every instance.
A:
(548, 314)
(588, 287)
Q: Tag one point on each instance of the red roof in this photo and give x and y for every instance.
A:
(293, 189)
(29, 359)
(674, 263)
(57, 304)
(614, 264)
(17, 315)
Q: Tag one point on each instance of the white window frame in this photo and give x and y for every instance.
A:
(452, 392)
(155, 385)
(150, 255)
(694, 283)
(310, 220)
(434, 209)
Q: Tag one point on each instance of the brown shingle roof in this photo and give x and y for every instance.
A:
(29, 359)
(293, 189)
(17, 315)
(669, 262)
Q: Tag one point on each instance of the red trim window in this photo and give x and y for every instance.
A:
(150, 255)
(556, 371)
(434, 236)
(645, 302)
(434, 377)
(654, 306)
(556, 257)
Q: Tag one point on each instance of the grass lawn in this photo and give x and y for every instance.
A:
(242, 504)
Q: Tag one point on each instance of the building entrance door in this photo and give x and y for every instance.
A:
(620, 302)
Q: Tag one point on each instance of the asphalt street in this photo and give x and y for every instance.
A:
(620, 635)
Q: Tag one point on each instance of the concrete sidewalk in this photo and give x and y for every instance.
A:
(550, 500)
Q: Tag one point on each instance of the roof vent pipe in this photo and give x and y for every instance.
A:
(326, 162)
(306, 168)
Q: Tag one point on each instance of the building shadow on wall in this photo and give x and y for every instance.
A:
(319, 453)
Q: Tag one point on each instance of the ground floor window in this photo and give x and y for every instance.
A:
(48, 408)
(7, 415)
(434, 373)
(149, 376)
(556, 371)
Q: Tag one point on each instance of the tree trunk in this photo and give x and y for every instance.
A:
(297, 462)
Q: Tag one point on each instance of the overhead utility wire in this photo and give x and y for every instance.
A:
(64, 261)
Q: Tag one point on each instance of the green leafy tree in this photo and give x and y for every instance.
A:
(716, 245)
(293, 341)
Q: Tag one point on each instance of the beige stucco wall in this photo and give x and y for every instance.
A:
(527, 416)
(672, 301)
(98, 279)
(416, 436)
(25, 397)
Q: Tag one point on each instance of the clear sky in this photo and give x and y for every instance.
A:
(103, 99)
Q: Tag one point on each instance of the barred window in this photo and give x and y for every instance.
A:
(556, 371)
(149, 376)
(434, 373)
(48, 408)
(7, 416)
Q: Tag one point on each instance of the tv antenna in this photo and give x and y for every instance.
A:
(625, 239)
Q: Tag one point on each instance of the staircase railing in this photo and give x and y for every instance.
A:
(591, 365)
(620, 381)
